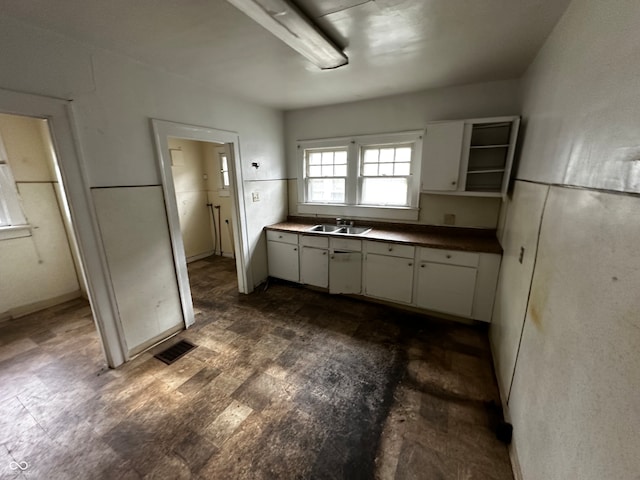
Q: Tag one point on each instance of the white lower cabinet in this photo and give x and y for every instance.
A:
(314, 266)
(389, 278)
(345, 272)
(446, 288)
(448, 281)
(282, 255)
(345, 266)
(314, 260)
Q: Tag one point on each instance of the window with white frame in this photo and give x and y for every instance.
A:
(385, 174)
(326, 175)
(10, 209)
(224, 170)
(352, 175)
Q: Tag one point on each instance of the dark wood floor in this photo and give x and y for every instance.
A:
(285, 383)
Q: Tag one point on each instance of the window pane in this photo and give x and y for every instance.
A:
(371, 155)
(326, 190)
(327, 158)
(370, 169)
(402, 169)
(10, 208)
(315, 171)
(225, 179)
(384, 191)
(327, 170)
(224, 162)
(340, 170)
(403, 154)
(340, 158)
(386, 169)
(387, 154)
(314, 158)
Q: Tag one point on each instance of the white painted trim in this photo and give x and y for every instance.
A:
(200, 256)
(59, 114)
(23, 310)
(15, 231)
(360, 211)
(163, 129)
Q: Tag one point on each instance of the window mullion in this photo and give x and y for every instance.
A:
(353, 162)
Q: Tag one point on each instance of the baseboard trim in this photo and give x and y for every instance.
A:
(513, 451)
(211, 253)
(24, 310)
(200, 256)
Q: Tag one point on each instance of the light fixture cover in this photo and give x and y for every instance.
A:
(289, 24)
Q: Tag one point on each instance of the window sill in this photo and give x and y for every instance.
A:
(7, 233)
(370, 212)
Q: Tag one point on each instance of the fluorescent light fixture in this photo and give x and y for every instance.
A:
(289, 24)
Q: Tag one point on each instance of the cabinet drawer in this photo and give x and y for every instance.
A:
(314, 241)
(347, 244)
(391, 249)
(283, 237)
(450, 257)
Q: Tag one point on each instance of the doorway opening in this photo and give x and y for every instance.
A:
(201, 174)
(203, 189)
(43, 288)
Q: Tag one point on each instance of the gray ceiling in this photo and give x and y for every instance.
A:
(394, 46)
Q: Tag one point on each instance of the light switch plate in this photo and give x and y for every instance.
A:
(255, 196)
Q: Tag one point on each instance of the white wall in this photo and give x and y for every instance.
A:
(114, 98)
(192, 197)
(574, 398)
(401, 113)
(37, 271)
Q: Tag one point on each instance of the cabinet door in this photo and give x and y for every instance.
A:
(390, 278)
(441, 154)
(446, 288)
(314, 267)
(345, 272)
(283, 261)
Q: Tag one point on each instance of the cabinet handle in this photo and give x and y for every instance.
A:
(324, 253)
(295, 249)
(279, 236)
(453, 183)
(391, 249)
(422, 266)
(411, 264)
(448, 256)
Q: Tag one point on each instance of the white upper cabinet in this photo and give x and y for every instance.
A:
(441, 153)
(469, 157)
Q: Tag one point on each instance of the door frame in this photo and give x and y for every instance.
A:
(162, 129)
(75, 181)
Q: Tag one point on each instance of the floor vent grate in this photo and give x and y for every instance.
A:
(175, 352)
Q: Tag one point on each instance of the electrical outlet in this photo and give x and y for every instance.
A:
(449, 219)
(255, 196)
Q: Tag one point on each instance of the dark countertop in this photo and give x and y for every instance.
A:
(451, 238)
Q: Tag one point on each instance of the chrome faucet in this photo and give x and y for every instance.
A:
(340, 222)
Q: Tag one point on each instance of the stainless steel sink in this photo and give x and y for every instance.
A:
(327, 228)
(340, 229)
(355, 230)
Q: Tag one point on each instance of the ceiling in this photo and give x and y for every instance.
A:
(394, 46)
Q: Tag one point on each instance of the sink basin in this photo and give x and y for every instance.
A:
(342, 230)
(327, 228)
(355, 230)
